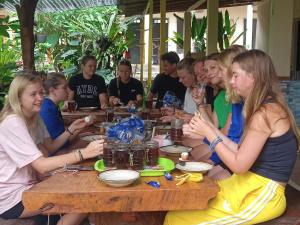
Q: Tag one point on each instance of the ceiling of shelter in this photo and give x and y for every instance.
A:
(128, 7)
(61, 5)
(136, 7)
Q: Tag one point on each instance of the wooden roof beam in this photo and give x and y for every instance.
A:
(196, 5)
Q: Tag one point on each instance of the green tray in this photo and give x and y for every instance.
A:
(167, 164)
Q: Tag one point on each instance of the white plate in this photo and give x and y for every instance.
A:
(195, 167)
(175, 149)
(104, 124)
(119, 178)
(91, 138)
(87, 109)
(163, 127)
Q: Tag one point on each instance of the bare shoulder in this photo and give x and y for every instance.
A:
(275, 117)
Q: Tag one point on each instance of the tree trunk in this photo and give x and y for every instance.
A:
(25, 12)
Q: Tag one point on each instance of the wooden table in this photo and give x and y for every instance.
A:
(83, 192)
(100, 115)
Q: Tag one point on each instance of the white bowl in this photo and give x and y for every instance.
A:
(175, 149)
(119, 178)
(94, 137)
(200, 167)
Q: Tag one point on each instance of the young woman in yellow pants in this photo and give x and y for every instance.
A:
(263, 161)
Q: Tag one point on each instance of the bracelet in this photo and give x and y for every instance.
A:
(80, 155)
(69, 131)
(214, 143)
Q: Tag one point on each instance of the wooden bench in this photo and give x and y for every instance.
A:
(17, 222)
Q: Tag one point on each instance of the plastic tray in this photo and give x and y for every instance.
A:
(165, 163)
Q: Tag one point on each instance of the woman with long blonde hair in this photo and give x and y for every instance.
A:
(263, 162)
(20, 158)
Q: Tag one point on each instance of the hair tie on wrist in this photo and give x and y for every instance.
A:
(80, 155)
(69, 131)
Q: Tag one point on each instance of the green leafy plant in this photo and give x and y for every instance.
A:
(8, 26)
(177, 39)
(10, 61)
(198, 33)
(98, 31)
(226, 30)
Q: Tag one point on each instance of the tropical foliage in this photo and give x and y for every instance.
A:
(226, 30)
(10, 52)
(99, 31)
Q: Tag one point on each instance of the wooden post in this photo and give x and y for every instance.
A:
(142, 48)
(150, 43)
(163, 38)
(212, 26)
(187, 33)
(25, 12)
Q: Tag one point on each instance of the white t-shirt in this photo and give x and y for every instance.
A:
(17, 151)
(39, 132)
(189, 105)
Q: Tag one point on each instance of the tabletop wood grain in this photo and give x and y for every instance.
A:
(83, 192)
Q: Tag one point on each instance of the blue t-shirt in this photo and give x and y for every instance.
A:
(52, 119)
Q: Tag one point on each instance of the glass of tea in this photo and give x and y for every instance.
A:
(109, 153)
(109, 114)
(137, 156)
(152, 153)
(122, 156)
(145, 114)
(176, 130)
(72, 106)
(149, 104)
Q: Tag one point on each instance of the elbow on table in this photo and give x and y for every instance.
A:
(240, 169)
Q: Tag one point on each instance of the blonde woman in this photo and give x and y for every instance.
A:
(263, 162)
(20, 158)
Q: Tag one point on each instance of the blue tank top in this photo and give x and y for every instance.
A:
(236, 128)
(277, 158)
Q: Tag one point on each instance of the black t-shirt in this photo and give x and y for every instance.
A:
(209, 95)
(125, 92)
(163, 83)
(86, 92)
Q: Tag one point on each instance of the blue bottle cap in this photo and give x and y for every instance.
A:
(168, 176)
(154, 184)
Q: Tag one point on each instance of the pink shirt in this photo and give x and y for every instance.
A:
(17, 151)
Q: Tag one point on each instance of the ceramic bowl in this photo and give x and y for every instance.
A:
(93, 137)
(119, 178)
(175, 149)
(87, 109)
(199, 167)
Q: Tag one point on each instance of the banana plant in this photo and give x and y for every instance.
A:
(198, 33)
(177, 39)
(226, 30)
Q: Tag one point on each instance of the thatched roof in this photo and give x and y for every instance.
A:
(61, 5)
(128, 7)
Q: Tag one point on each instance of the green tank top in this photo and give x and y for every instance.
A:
(222, 108)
